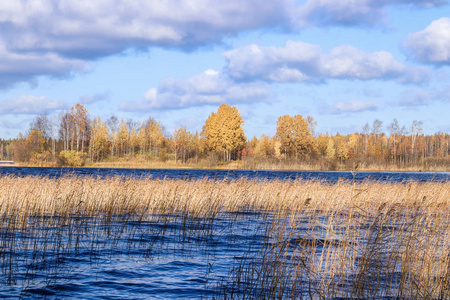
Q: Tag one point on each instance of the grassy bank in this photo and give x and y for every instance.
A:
(321, 240)
(257, 165)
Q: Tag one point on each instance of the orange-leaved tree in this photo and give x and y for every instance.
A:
(224, 131)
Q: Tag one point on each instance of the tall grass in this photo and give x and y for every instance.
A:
(312, 239)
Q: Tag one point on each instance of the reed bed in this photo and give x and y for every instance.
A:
(309, 239)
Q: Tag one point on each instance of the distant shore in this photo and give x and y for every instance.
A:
(235, 166)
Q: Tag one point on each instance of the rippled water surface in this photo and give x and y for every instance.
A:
(331, 176)
(156, 257)
(162, 257)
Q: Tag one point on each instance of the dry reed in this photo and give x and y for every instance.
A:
(320, 240)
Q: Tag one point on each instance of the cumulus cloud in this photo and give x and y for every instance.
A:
(210, 87)
(431, 45)
(302, 62)
(98, 28)
(55, 37)
(16, 67)
(58, 36)
(29, 105)
(354, 106)
(353, 12)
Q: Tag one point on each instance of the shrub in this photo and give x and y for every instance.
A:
(71, 159)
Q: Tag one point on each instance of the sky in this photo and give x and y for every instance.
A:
(346, 62)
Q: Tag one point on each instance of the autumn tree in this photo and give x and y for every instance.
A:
(312, 124)
(224, 131)
(134, 141)
(341, 147)
(99, 143)
(154, 135)
(74, 128)
(112, 124)
(181, 140)
(394, 129)
(42, 124)
(295, 136)
(198, 145)
(322, 144)
(132, 126)
(66, 129)
(20, 150)
(331, 150)
(122, 137)
(264, 147)
(35, 142)
(80, 120)
(352, 144)
(416, 130)
(36, 148)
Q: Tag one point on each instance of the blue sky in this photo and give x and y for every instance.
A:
(344, 62)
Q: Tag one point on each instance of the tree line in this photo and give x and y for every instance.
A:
(76, 139)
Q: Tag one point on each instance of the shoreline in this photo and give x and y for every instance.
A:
(223, 168)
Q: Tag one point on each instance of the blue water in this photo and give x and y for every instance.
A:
(155, 257)
(161, 257)
(330, 176)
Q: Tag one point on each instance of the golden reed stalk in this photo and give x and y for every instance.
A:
(369, 239)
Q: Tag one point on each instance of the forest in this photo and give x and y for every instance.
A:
(75, 139)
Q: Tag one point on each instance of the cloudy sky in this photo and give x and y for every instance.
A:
(344, 62)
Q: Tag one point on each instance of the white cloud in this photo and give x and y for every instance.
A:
(302, 62)
(57, 36)
(28, 104)
(16, 67)
(296, 62)
(210, 87)
(353, 12)
(431, 45)
(354, 106)
(349, 62)
(102, 27)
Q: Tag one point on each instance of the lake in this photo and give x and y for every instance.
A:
(330, 176)
(232, 254)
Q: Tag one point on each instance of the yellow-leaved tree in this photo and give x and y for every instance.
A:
(123, 137)
(99, 143)
(295, 136)
(224, 131)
